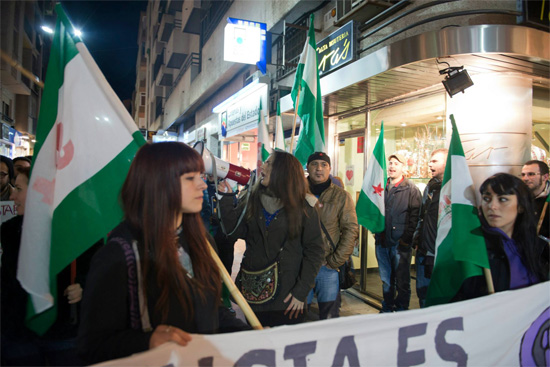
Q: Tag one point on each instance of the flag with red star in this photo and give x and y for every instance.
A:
(370, 206)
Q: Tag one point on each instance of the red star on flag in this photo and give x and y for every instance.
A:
(378, 189)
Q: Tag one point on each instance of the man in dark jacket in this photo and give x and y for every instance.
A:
(535, 175)
(393, 246)
(339, 222)
(426, 231)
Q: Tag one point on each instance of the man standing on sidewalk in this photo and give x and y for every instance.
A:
(340, 231)
(535, 175)
(426, 231)
(393, 246)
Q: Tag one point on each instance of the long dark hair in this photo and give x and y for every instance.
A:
(151, 199)
(525, 228)
(287, 182)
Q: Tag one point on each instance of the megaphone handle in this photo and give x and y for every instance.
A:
(242, 213)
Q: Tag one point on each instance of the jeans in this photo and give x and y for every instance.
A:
(394, 267)
(422, 282)
(327, 290)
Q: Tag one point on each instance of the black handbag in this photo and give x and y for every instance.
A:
(345, 273)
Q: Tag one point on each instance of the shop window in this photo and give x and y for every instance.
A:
(414, 129)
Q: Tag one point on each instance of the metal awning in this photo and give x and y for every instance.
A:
(409, 66)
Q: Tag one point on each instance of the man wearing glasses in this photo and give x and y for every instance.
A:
(535, 175)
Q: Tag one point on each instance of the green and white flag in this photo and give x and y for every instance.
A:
(370, 205)
(308, 105)
(264, 150)
(460, 250)
(279, 133)
(86, 141)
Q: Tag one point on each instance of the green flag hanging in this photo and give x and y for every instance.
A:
(460, 246)
(85, 142)
(306, 94)
(370, 205)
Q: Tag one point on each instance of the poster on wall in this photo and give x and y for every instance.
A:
(360, 144)
(349, 174)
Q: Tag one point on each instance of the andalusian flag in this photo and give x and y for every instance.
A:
(279, 133)
(85, 142)
(460, 247)
(370, 205)
(309, 106)
(264, 150)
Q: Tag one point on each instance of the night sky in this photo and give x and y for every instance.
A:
(109, 31)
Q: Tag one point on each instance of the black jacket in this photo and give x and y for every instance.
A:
(500, 268)
(14, 298)
(106, 332)
(402, 206)
(426, 231)
(545, 226)
(300, 259)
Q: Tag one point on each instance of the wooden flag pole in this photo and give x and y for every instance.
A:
(294, 123)
(237, 296)
(542, 214)
(489, 279)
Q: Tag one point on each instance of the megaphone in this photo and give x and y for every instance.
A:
(224, 170)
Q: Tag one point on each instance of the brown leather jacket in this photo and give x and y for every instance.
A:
(337, 213)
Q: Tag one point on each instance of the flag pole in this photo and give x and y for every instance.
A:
(237, 296)
(295, 116)
(542, 214)
(489, 280)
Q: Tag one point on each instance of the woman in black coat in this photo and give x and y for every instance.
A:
(517, 257)
(281, 225)
(155, 280)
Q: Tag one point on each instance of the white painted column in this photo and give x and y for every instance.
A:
(494, 119)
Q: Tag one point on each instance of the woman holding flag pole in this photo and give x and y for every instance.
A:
(517, 257)
(155, 281)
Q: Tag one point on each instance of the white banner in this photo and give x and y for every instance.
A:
(7, 209)
(505, 329)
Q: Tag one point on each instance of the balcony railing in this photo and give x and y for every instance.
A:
(192, 60)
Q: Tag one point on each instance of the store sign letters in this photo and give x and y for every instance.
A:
(469, 333)
(240, 115)
(337, 49)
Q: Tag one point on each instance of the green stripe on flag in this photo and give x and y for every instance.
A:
(370, 206)
(72, 199)
(306, 95)
(460, 246)
(369, 215)
(54, 80)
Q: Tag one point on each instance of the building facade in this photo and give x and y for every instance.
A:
(22, 68)
(386, 64)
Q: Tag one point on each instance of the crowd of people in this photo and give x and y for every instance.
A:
(155, 281)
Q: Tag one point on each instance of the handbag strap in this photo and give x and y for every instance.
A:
(328, 236)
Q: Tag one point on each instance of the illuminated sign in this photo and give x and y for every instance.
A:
(534, 13)
(337, 49)
(245, 42)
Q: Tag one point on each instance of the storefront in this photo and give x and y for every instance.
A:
(237, 123)
(504, 118)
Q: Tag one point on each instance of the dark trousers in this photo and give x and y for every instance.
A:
(394, 265)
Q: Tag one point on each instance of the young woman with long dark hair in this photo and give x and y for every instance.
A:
(517, 257)
(155, 280)
(281, 225)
